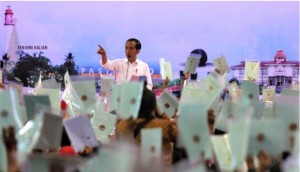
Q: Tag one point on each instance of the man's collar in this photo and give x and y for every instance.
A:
(136, 61)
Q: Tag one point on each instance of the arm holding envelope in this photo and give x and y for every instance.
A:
(211, 120)
(86, 152)
(264, 162)
(165, 83)
(2, 85)
(10, 142)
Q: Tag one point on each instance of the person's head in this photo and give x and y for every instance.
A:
(132, 48)
(234, 80)
(148, 105)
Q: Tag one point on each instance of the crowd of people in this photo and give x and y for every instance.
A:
(190, 139)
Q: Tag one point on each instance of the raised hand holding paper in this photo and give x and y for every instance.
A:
(269, 94)
(106, 85)
(252, 70)
(220, 63)
(191, 65)
(165, 69)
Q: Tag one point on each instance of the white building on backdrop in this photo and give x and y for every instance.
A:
(277, 72)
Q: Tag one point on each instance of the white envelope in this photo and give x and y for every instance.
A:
(222, 151)
(269, 94)
(51, 132)
(224, 116)
(286, 108)
(32, 101)
(106, 85)
(258, 107)
(28, 136)
(193, 130)
(292, 92)
(114, 102)
(251, 70)
(151, 142)
(192, 93)
(263, 137)
(191, 65)
(130, 99)
(166, 70)
(104, 124)
(212, 89)
(10, 109)
(232, 111)
(238, 137)
(220, 63)
(84, 95)
(54, 97)
(80, 132)
(250, 91)
(39, 83)
(295, 149)
(50, 84)
(67, 79)
(168, 103)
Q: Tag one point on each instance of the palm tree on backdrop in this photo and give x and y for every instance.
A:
(29, 68)
(69, 64)
(5, 58)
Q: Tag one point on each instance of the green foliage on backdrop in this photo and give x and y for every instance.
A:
(29, 67)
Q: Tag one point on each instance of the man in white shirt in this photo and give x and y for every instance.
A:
(129, 67)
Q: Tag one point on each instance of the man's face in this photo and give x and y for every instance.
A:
(130, 50)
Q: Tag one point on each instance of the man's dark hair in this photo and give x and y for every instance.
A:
(148, 104)
(138, 44)
(234, 80)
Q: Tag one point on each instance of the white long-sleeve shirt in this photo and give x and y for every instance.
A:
(125, 70)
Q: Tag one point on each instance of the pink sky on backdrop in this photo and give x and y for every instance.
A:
(171, 30)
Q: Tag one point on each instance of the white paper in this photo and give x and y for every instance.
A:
(80, 132)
